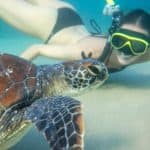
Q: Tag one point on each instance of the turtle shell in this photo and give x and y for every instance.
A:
(17, 79)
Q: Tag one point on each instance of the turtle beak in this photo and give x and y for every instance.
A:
(103, 74)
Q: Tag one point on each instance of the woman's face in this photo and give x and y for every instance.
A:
(125, 56)
(135, 28)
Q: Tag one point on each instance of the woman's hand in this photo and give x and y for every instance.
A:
(31, 53)
(109, 9)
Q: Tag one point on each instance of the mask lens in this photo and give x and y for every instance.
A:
(137, 46)
(118, 41)
(126, 50)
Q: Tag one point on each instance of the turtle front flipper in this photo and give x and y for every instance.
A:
(60, 119)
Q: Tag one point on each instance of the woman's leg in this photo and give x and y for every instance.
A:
(33, 19)
(40, 20)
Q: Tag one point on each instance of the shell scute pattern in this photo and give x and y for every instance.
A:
(17, 78)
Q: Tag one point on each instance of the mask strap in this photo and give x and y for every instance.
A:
(116, 19)
(96, 27)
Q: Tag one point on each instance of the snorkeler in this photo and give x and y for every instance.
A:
(127, 44)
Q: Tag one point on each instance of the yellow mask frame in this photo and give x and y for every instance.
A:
(137, 42)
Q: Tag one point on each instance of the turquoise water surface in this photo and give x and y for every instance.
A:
(116, 114)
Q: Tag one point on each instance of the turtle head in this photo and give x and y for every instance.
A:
(84, 74)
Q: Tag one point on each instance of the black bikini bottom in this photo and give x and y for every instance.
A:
(66, 17)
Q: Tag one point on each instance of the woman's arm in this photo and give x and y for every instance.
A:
(63, 52)
(66, 52)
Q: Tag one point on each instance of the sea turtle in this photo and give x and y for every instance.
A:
(39, 95)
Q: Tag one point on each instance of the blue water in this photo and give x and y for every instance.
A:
(117, 114)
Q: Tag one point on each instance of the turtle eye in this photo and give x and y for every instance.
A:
(94, 70)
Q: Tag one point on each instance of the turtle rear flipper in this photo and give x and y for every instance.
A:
(60, 119)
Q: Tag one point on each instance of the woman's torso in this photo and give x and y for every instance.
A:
(68, 26)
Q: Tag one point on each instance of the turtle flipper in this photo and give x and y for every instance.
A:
(60, 119)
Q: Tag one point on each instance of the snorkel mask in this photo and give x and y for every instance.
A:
(130, 42)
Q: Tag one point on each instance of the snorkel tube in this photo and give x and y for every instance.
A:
(114, 10)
